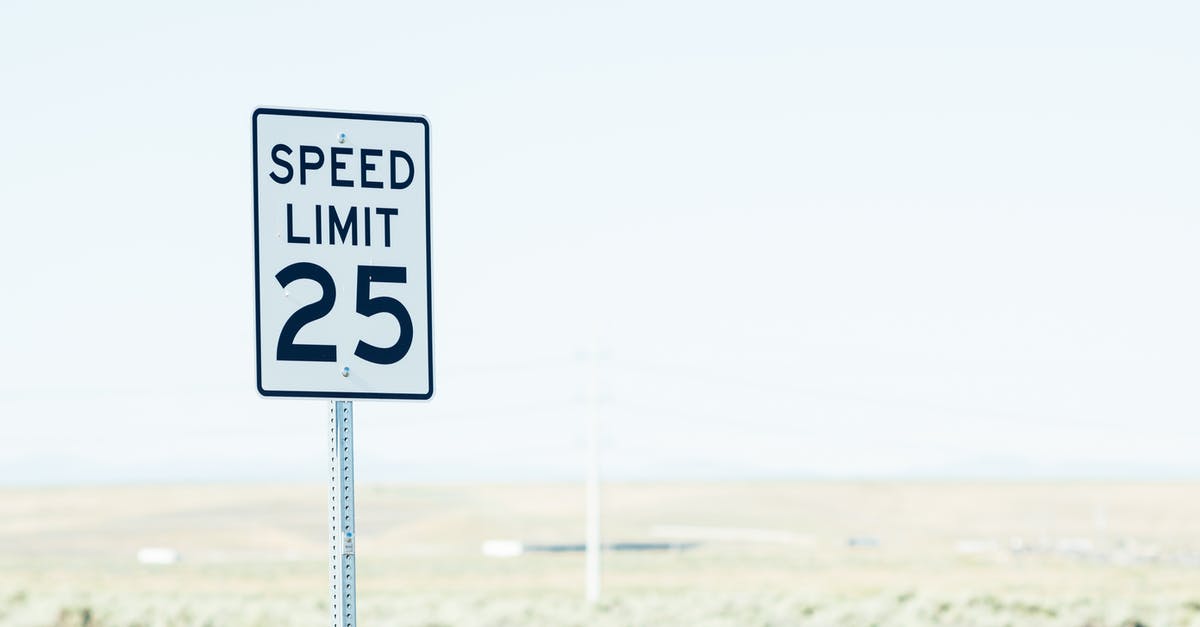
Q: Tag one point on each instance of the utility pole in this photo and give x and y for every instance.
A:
(593, 546)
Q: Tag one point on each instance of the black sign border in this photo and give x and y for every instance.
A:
(341, 115)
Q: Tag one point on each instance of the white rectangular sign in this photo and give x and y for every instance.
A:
(341, 255)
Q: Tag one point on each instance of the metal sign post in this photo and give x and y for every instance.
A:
(341, 513)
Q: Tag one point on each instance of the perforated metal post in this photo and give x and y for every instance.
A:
(341, 513)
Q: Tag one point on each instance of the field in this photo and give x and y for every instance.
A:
(795, 553)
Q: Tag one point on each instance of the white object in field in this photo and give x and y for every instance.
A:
(728, 534)
(502, 548)
(592, 531)
(342, 273)
(976, 547)
(1076, 546)
(157, 556)
(341, 513)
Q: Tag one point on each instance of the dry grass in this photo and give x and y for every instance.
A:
(948, 554)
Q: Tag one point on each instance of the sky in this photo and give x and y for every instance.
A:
(762, 240)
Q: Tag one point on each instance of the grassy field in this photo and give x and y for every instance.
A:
(1075, 554)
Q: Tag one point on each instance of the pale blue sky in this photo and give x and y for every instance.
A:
(810, 239)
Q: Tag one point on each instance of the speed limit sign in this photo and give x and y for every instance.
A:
(341, 255)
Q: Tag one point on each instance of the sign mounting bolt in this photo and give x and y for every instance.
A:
(341, 138)
(345, 371)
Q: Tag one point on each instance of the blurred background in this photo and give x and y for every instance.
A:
(816, 267)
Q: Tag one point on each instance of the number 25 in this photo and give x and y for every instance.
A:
(289, 350)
